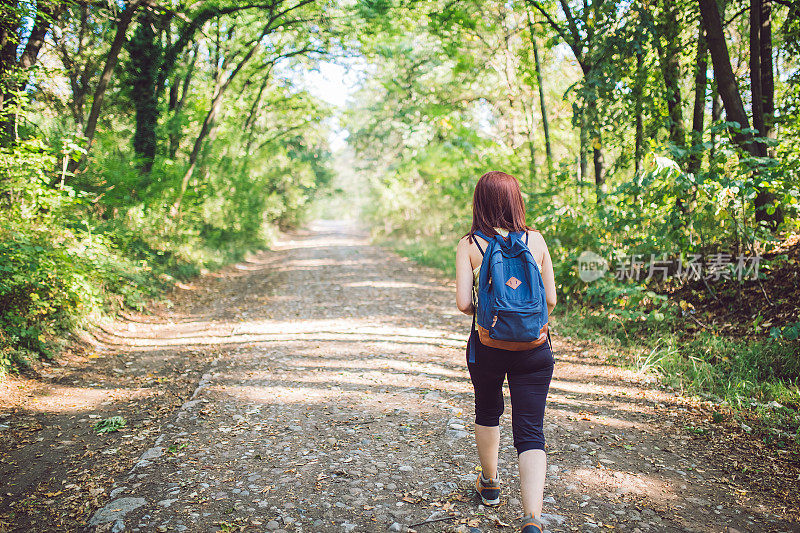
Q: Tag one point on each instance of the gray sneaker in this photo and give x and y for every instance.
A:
(488, 490)
(531, 525)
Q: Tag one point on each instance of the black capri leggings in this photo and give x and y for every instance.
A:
(529, 374)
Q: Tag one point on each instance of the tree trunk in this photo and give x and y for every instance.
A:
(716, 115)
(208, 124)
(578, 42)
(593, 119)
(727, 86)
(205, 129)
(638, 153)
(542, 104)
(253, 114)
(732, 100)
(757, 103)
(599, 164)
(9, 27)
(671, 71)
(767, 75)
(250, 123)
(12, 77)
(548, 147)
(206, 12)
(584, 144)
(112, 59)
(698, 116)
(172, 105)
(9, 36)
(764, 198)
(78, 77)
(145, 56)
(46, 11)
(532, 163)
(669, 58)
(175, 131)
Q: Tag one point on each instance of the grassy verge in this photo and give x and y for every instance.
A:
(54, 279)
(440, 254)
(755, 381)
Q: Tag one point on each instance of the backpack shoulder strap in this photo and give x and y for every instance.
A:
(482, 236)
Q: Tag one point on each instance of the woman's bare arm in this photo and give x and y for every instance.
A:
(464, 278)
(548, 277)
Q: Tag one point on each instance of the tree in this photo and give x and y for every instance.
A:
(144, 66)
(13, 69)
(728, 88)
(582, 31)
(232, 65)
(542, 103)
(178, 91)
(123, 21)
(699, 109)
(669, 47)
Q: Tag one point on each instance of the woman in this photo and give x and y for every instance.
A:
(497, 208)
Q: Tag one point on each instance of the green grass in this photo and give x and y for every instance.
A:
(55, 280)
(440, 254)
(758, 380)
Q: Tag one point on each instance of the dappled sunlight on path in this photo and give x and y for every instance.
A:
(336, 398)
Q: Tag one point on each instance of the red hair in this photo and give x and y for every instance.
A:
(497, 203)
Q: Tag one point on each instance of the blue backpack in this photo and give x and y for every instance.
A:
(511, 312)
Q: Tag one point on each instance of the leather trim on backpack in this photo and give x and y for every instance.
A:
(486, 340)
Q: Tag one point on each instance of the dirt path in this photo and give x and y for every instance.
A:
(322, 387)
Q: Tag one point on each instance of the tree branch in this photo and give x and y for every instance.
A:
(281, 134)
(570, 19)
(195, 23)
(559, 30)
(736, 15)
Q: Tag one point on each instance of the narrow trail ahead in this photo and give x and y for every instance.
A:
(337, 399)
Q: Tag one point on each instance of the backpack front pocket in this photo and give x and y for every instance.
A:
(519, 325)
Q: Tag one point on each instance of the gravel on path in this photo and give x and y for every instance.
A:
(339, 400)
